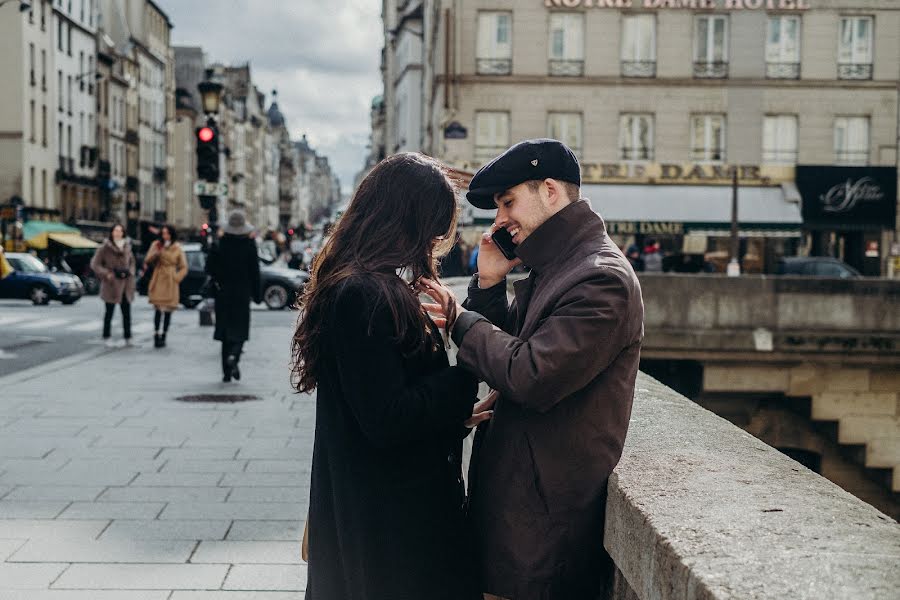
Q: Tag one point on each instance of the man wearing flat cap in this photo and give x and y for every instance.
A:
(562, 358)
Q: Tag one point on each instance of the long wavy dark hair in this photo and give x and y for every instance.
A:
(401, 218)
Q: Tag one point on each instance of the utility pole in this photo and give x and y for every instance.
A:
(734, 265)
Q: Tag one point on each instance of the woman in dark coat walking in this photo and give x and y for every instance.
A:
(114, 266)
(234, 268)
(386, 500)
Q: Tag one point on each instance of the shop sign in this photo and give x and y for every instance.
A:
(684, 174)
(675, 4)
(644, 227)
(840, 196)
(455, 131)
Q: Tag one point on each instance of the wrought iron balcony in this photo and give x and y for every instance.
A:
(854, 70)
(494, 66)
(710, 70)
(638, 68)
(567, 68)
(707, 154)
(783, 70)
(636, 153)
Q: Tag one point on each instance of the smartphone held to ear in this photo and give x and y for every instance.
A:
(504, 242)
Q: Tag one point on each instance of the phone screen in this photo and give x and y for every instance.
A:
(504, 241)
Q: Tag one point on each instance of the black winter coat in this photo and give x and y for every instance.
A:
(234, 266)
(386, 519)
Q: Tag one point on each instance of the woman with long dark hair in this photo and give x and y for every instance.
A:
(169, 268)
(114, 265)
(386, 501)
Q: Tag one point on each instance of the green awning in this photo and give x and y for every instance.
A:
(33, 229)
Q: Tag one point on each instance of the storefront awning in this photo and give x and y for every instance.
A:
(705, 210)
(32, 229)
(73, 240)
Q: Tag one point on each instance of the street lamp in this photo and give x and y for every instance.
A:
(210, 95)
(23, 6)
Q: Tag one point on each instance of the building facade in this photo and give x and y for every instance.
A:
(662, 99)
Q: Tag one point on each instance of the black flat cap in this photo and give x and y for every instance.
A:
(526, 161)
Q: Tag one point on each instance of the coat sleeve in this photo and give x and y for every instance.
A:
(152, 254)
(491, 302)
(181, 269)
(98, 264)
(253, 264)
(584, 333)
(391, 408)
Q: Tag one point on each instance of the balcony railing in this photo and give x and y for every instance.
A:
(707, 154)
(567, 68)
(779, 157)
(159, 175)
(710, 70)
(486, 153)
(638, 68)
(854, 70)
(783, 70)
(851, 157)
(494, 66)
(635, 153)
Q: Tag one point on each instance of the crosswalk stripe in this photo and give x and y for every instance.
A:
(88, 326)
(43, 324)
(14, 321)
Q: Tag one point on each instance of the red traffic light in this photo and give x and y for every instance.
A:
(206, 134)
(290, 232)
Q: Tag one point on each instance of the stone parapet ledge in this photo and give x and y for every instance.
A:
(700, 509)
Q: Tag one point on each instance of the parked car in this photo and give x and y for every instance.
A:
(815, 266)
(32, 280)
(279, 286)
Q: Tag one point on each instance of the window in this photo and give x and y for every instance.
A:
(69, 81)
(638, 46)
(855, 48)
(69, 147)
(779, 140)
(851, 140)
(43, 69)
(32, 123)
(32, 191)
(60, 91)
(494, 52)
(81, 77)
(491, 134)
(60, 35)
(567, 128)
(60, 139)
(31, 64)
(43, 16)
(31, 19)
(636, 137)
(711, 47)
(44, 186)
(69, 40)
(567, 44)
(708, 138)
(44, 125)
(783, 47)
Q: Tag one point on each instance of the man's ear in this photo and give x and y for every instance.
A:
(555, 193)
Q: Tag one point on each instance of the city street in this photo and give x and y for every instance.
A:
(110, 487)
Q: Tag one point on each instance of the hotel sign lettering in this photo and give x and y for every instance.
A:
(644, 227)
(684, 174)
(702, 4)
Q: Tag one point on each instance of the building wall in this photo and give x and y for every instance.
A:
(12, 103)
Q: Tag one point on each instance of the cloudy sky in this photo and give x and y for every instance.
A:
(323, 57)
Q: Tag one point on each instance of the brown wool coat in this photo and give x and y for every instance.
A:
(564, 357)
(108, 258)
(169, 268)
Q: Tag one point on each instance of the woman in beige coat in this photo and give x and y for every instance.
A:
(169, 268)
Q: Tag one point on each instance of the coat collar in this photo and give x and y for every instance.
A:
(112, 245)
(559, 235)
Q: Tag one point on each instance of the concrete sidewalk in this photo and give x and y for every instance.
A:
(110, 488)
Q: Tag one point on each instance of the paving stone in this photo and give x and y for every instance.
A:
(23, 509)
(204, 466)
(234, 510)
(269, 494)
(200, 453)
(285, 531)
(81, 595)
(127, 529)
(279, 466)
(177, 479)
(29, 577)
(234, 552)
(55, 529)
(7, 547)
(74, 477)
(136, 493)
(264, 479)
(113, 510)
(52, 492)
(104, 551)
(243, 595)
(267, 577)
(116, 454)
(261, 453)
(142, 577)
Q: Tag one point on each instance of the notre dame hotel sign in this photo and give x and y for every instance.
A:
(703, 4)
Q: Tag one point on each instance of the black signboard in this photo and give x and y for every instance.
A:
(848, 197)
(455, 131)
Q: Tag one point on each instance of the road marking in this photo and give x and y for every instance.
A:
(14, 320)
(7, 355)
(44, 323)
(89, 326)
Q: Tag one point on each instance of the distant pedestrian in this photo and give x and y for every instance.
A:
(169, 268)
(234, 267)
(652, 257)
(386, 503)
(114, 265)
(633, 254)
(473, 260)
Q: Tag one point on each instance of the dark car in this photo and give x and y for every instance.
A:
(32, 280)
(815, 266)
(278, 286)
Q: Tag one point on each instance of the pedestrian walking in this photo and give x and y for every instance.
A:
(233, 266)
(653, 262)
(114, 265)
(563, 358)
(386, 498)
(169, 268)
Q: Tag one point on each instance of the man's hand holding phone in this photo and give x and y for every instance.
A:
(493, 263)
